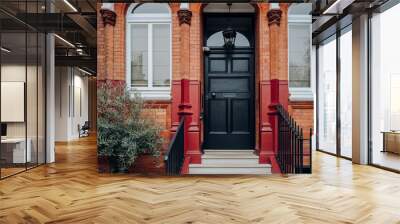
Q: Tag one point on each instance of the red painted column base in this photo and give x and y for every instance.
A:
(185, 166)
(189, 108)
(272, 93)
(194, 146)
(194, 150)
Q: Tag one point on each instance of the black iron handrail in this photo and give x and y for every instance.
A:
(176, 154)
(294, 151)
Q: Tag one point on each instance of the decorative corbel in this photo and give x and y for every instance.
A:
(108, 16)
(274, 16)
(185, 16)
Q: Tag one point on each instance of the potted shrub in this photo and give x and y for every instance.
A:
(124, 133)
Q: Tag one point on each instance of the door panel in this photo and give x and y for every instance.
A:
(218, 125)
(218, 65)
(240, 65)
(229, 85)
(240, 116)
(229, 100)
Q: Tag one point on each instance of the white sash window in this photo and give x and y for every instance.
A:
(149, 50)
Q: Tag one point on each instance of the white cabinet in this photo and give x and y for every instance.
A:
(19, 155)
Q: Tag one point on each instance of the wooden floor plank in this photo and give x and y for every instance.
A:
(71, 191)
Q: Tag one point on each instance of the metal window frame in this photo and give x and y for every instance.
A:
(340, 31)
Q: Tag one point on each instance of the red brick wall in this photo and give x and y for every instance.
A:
(303, 113)
(160, 113)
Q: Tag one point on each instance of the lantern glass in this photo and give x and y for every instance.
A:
(229, 37)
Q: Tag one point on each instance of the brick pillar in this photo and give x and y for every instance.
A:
(264, 56)
(283, 57)
(269, 95)
(108, 18)
(192, 137)
(274, 19)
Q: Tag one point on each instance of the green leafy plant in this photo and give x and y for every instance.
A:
(124, 132)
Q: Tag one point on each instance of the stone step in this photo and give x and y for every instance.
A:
(228, 155)
(257, 169)
(229, 159)
(223, 152)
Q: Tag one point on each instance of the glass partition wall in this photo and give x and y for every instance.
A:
(334, 94)
(22, 77)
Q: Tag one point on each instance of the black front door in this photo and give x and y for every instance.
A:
(229, 99)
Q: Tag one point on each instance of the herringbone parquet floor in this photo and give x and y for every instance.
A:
(71, 191)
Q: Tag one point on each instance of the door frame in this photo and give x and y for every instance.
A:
(222, 50)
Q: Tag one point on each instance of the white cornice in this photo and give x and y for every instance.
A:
(108, 6)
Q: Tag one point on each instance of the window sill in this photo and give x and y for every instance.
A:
(152, 94)
(301, 94)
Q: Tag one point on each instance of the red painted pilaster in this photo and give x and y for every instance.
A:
(194, 150)
(185, 112)
(190, 92)
(272, 113)
(266, 130)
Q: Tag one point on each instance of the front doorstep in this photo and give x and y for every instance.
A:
(230, 162)
(259, 169)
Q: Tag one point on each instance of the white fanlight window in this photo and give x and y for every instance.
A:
(149, 50)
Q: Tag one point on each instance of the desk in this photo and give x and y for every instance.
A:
(13, 150)
(391, 142)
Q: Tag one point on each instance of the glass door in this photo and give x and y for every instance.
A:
(327, 96)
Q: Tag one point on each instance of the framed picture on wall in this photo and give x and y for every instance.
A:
(12, 101)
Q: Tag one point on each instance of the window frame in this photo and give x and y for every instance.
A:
(301, 93)
(149, 19)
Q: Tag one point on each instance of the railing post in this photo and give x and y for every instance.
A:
(301, 150)
(298, 142)
(310, 150)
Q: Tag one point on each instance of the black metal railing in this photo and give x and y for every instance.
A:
(176, 154)
(294, 151)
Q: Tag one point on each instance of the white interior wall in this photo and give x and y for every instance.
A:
(62, 81)
(71, 102)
